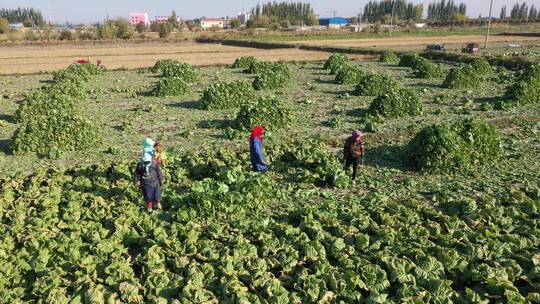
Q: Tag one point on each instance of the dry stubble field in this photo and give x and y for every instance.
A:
(35, 59)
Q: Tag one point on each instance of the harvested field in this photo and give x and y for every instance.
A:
(36, 59)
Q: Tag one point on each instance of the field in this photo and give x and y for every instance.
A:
(74, 228)
(419, 43)
(36, 59)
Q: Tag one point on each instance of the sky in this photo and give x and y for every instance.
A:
(77, 11)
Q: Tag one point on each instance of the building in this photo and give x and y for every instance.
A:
(244, 17)
(136, 18)
(212, 22)
(165, 19)
(334, 22)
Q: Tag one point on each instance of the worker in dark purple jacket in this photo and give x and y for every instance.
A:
(256, 150)
(149, 179)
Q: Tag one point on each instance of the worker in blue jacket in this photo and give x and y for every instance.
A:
(256, 150)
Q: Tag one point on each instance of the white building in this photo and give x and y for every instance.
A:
(212, 22)
(244, 17)
(165, 19)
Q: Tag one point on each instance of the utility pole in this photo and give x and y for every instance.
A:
(489, 26)
(392, 17)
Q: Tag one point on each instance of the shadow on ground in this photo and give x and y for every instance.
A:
(325, 81)
(7, 118)
(357, 113)
(387, 156)
(493, 101)
(4, 145)
(194, 104)
(215, 124)
(339, 92)
(428, 85)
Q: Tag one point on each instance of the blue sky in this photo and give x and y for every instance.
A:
(96, 10)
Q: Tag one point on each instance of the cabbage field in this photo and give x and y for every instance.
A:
(446, 208)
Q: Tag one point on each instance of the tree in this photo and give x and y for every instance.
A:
(154, 27)
(4, 25)
(19, 15)
(381, 10)
(251, 24)
(502, 16)
(459, 18)
(533, 13)
(107, 30)
(164, 30)
(141, 27)
(443, 10)
(65, 35)
(312, 21)
(28, 23)
(173, 20)
(264, 21)
(523, 11)
(377, 27)
(296, 13)
(124, 30)
(235, 23)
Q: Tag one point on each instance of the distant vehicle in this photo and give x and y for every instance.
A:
(471, 48)
(435, 47)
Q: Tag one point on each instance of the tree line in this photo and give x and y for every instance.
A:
(29, 16)
(296, 13)
(520, 11)
(444, 11)
(382, 11)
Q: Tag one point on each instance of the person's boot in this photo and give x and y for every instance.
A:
(149, 206)
(159, 206)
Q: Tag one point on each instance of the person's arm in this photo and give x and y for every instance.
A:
(159, 174)
(362, 154)
(350, 148)
(136, 180)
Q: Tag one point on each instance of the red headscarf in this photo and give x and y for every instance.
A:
(257, 132)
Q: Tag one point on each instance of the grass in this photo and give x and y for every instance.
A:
(126, 115)
(428, 32)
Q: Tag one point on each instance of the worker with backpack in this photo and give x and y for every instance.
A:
(149, 179)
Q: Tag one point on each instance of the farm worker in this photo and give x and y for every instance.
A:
(148, 146)
(353, 152)
(255, 150)
(148, 178)
(160, 154)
